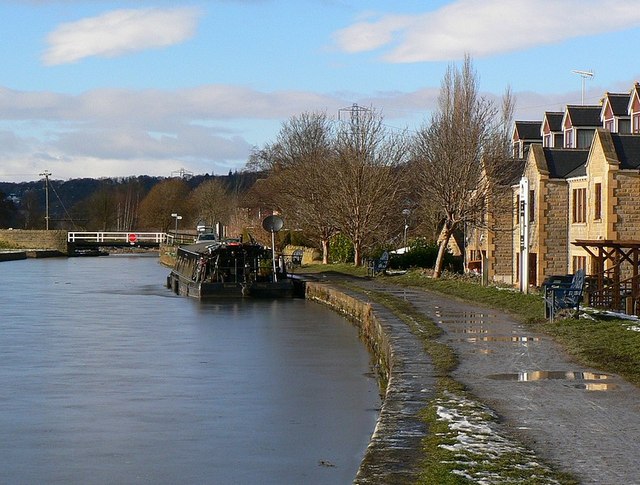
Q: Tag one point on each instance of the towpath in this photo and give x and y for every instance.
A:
(581, 420)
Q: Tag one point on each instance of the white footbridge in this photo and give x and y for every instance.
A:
(132, 238)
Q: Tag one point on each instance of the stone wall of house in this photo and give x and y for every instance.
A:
(556, 230)
(628, 208)
(28, 239)
(578, 230)
(500, 238)
(599, 171)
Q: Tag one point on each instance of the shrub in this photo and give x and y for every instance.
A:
(423, 254)
(341, 249)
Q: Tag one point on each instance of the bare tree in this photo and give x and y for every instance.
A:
(212, 202)
(452, 154)
(128, 197)
(365, 172)
(165, 198)
(299, 183)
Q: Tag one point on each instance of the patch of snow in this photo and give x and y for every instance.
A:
(477, 441)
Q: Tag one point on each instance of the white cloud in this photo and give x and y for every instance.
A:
(120, 32)
(206, 129)
(103, 132)
(486, 27)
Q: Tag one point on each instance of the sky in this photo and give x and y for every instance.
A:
(100, 88)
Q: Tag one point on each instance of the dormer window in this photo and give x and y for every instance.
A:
(568, 139)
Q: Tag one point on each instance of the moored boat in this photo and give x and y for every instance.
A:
(227, 268)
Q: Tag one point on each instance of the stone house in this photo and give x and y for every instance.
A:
(605, 200)
(541, 213)
(579, 181)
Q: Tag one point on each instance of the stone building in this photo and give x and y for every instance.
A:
(576, 182)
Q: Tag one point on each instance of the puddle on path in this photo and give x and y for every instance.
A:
(470, 330)
(597, 386)
(499, 338)
(543, 375)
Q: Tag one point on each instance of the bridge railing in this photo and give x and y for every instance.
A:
(121, 237)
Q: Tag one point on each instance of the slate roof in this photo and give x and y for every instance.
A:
(554, 119)
(627, 149)
(619, 103)
(511, 172)
(584, 116)
(566, 162)
(529, 130)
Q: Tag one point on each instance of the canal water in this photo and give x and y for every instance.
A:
(107, 377)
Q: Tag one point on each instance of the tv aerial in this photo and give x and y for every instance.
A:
(584, 75)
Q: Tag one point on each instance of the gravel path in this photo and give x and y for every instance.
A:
(581, 420)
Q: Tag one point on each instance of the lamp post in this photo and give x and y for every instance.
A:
(405, 213)
(177, 218)
(46, 174)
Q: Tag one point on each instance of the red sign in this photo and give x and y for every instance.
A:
(133, 238)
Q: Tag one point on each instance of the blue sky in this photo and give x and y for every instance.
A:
(118, 88)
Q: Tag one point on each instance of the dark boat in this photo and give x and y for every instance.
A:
(227, 268)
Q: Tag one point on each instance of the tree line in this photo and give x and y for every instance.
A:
(124, 204)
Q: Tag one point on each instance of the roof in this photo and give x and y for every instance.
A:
(554, 120)
(584, 116)
(627, 149)
(619, 103)
(528, 130)
(565, 162)
(510, 171)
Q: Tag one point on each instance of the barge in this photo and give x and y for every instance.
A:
(227, 268)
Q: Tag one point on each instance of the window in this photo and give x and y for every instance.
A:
(518, 209)
(580, 205)
(585, 137)
(516, 150)
(608, 125)
(532, 212)
(546, 140)
(624, 126)
(557, 140)
(568, 139)
(597, 202)
(636, 122)
(579, 262)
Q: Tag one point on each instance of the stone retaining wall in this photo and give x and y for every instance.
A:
(35, 239)
(363, 316)
(394, 454)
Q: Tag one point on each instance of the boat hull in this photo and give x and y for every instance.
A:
(285, 288)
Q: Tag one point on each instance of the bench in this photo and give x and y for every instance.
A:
(377, 266)
(296, 257)
(295, 260)
(560, 294)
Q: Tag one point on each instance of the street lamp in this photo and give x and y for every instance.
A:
(177, 217)
(46, 174)
(405, 213)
